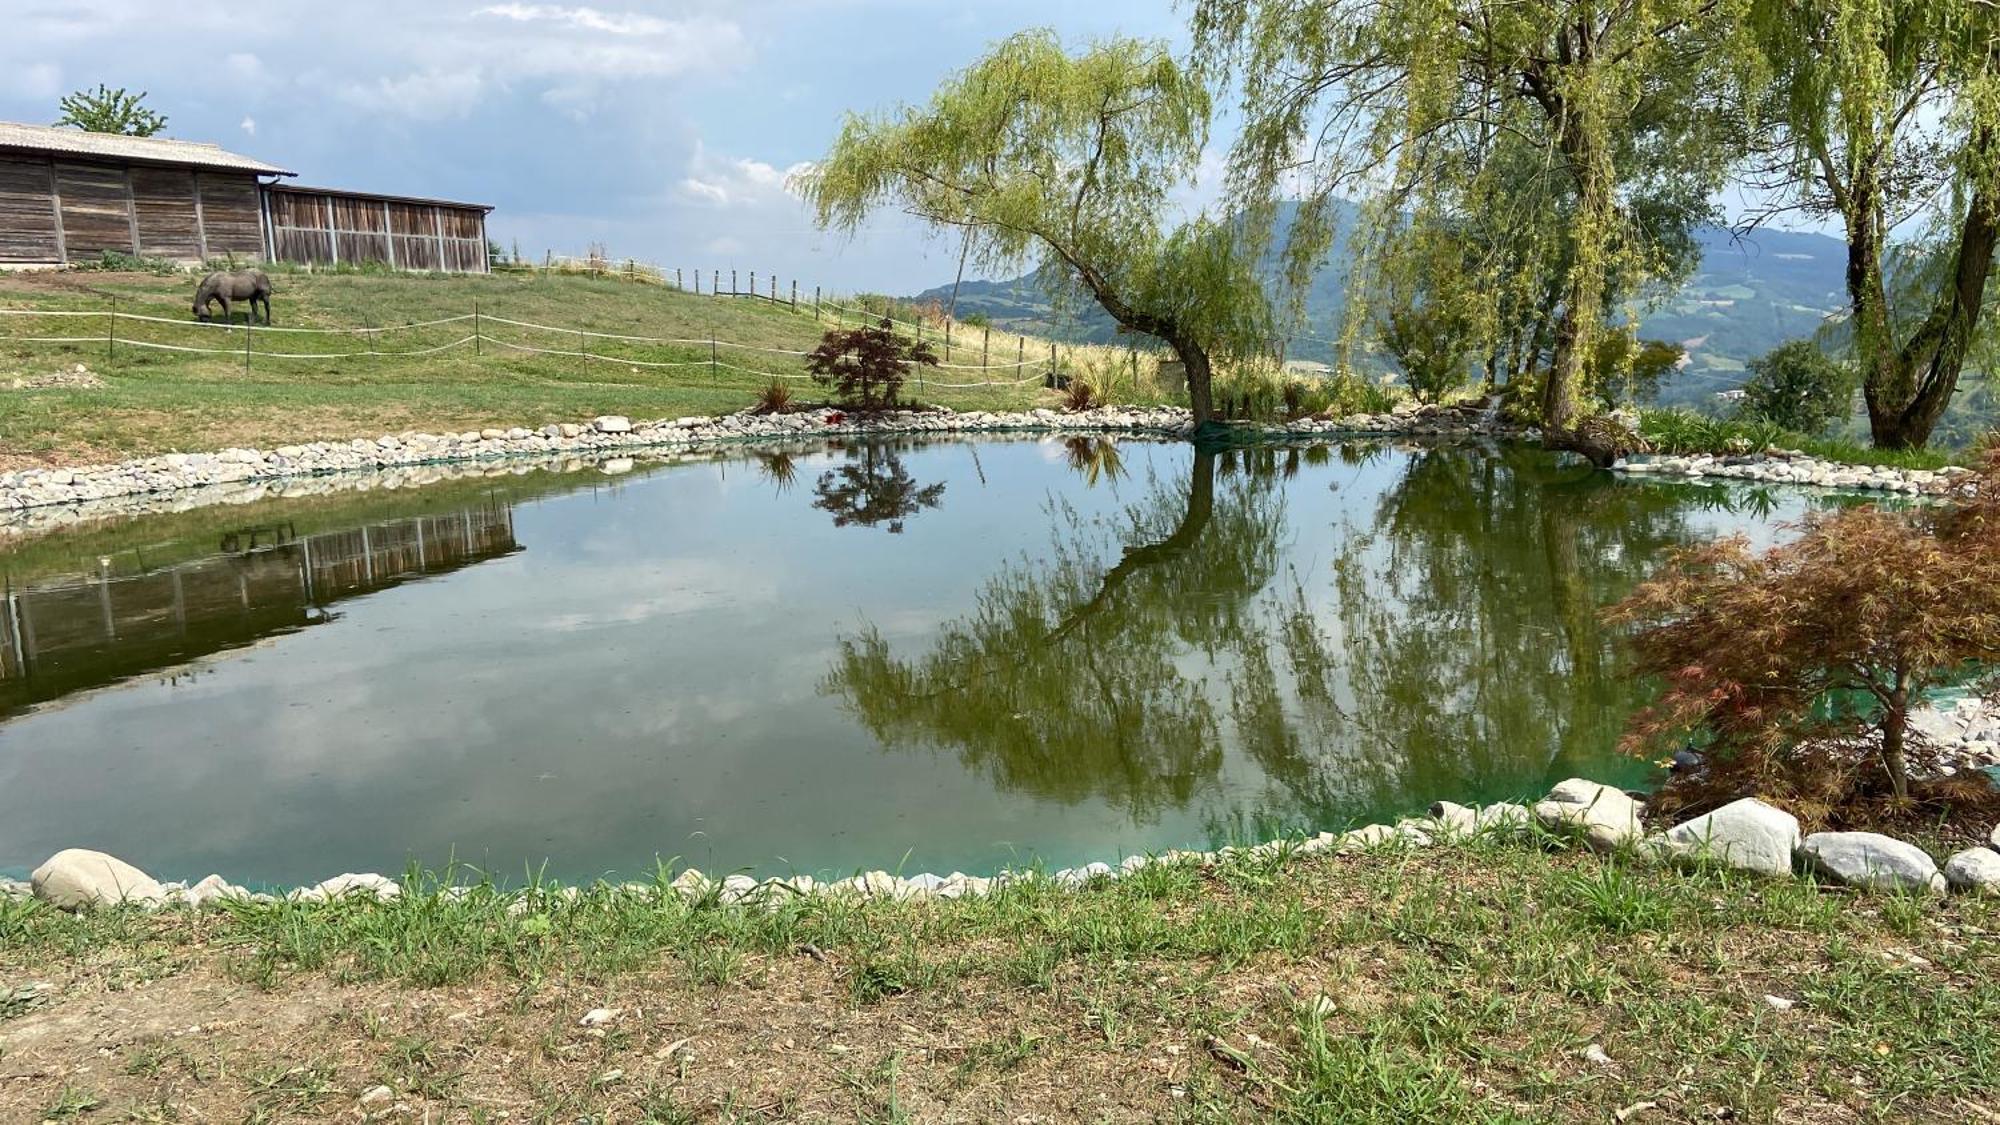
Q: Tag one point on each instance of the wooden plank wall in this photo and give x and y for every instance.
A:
(232, 215)
(28, 211)
(163, 206)
(327, 228)
(153, 210)
(96, 209)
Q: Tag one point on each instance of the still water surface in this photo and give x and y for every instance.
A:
(927, 657)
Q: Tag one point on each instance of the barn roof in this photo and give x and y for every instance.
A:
(458, 204)
(112, 146)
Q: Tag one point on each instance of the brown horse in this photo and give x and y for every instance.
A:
(243, 285)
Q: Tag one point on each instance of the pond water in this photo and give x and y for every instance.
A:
(959, 655)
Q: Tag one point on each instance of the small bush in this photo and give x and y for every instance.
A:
(1079, 395)
(1796, 386)
(774, 399)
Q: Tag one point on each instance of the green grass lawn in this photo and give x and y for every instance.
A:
(1486, 983)
(157, 401)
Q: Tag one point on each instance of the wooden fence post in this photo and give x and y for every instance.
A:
(815, 304)
(678, 283)
(985, 346)
(1052, 363)
(715, 284)
(795, 294)
(947, 340)
(711, 352)
(111, 332)
(475, 327)
(732, 283)
(753, 283)
(248, 326)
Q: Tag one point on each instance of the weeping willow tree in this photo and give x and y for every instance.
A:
(1592, 131)
(1069, 162)
(1886, 113)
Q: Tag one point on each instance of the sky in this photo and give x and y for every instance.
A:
(664, 131)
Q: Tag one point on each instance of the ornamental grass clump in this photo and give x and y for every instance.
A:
(1799, 666)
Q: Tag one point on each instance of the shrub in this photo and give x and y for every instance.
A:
(1079, 395)
(866, 366)
(1796, 386)
(774, 399)
(1801, 664)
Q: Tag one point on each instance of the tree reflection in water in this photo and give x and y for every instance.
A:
(873, 489)
(1451, 648)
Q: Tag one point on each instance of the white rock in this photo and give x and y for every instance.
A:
(78, 878)
(213, 889)
(1454, 819)
(376, 1095)
(1779, 1003)
(1974, 870)
(1607, 818)
(340, 886)
(597, 1017)
(1748, 835)
(611, 424)
(1871, 861)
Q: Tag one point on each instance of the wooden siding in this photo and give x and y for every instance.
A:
(232, 212)
(327, 228)
(96, 210)
(28, 211)
(163, 204)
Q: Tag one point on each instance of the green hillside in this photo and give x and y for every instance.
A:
(1748, 296)
(154, 400)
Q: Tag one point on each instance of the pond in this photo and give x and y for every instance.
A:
(956, 655)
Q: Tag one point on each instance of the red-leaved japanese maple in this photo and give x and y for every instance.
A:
(866, 366)
(1800, 664)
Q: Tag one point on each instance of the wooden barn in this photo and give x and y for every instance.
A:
(328, 227)
(68, 196)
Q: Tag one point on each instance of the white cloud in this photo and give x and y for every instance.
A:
(738, 182)
(585, 19)
(705, 191)
(249, 126)
(243, 64)
(425, 96)
(39, 81)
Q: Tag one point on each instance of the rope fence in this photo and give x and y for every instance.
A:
(1044, 369)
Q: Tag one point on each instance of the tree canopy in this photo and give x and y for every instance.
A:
(105, 110)
(1886, 115)
(1070, 162)
(1588, 137)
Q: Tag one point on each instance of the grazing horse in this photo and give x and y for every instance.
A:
(243, 285)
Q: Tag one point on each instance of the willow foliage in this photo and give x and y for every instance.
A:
(1886, 113)
(1071, 162)
(1613, 118)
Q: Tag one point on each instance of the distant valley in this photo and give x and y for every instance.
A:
(1749, 295)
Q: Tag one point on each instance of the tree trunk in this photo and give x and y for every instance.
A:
(1194, 358)
(1908, 386)
(1895, 725)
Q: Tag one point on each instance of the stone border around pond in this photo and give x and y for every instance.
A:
(1747, 835)
(1781, 467)
(25, 490)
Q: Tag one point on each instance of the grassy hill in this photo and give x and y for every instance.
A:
(152, 400)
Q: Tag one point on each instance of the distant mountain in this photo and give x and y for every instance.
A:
(1748, 296)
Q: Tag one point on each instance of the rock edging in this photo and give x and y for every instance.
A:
(1746, 835)
(612, 433)
(1792, 467)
